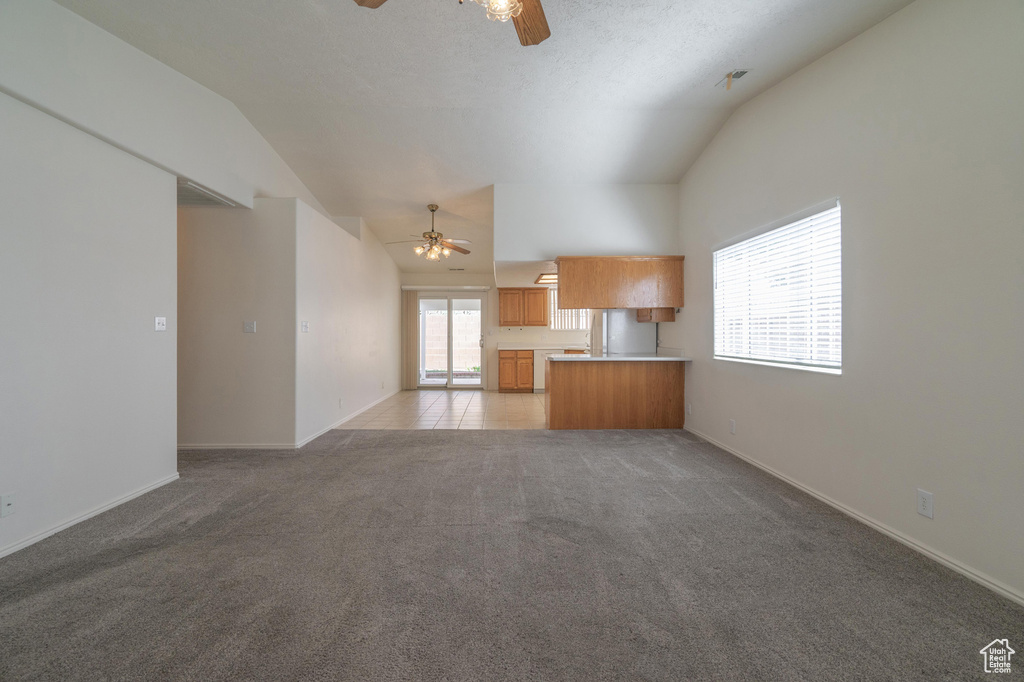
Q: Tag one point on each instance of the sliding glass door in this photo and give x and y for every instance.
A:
(451, 340)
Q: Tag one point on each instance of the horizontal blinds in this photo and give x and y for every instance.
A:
(778, 296)
(567, 320)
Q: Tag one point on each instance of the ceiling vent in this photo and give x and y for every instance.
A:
(730, 77)
(191, 194)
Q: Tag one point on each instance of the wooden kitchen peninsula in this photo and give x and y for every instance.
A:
(616, 392)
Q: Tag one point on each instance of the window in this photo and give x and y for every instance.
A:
(778, 296)
(566, 320)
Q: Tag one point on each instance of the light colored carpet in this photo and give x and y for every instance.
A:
(486, 555)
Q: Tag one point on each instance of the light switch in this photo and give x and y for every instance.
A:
(249, 326)
(305, 327)
(160, 324)
(6, 505)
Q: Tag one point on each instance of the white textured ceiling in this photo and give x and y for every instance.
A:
(381, 112)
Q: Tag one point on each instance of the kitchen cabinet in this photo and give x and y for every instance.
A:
(535, 302)
(515, 371)
(656, 315)
(620, 281)
(510, 308)
(523, 307)
(601, 393)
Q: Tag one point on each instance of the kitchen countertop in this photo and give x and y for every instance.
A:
(543, 345)
(635, 357)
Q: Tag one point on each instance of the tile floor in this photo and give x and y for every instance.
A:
(453, 409)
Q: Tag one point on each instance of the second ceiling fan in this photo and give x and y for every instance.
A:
(433, 245)
(527, 15)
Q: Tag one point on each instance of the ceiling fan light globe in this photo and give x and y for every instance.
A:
(503, 10)
(446, 252)
(418, 250)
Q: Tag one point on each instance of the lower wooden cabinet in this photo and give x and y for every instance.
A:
(614, 395)
(515, 371)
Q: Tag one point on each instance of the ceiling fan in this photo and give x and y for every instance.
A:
(527, 15)
(433, 243)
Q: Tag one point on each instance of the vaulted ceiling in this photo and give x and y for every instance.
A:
(381, 112)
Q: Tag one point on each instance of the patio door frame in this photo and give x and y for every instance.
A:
(451, 296)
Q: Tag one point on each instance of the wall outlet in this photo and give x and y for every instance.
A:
(925, 504)
(160, 324)
(689, 408)
(305, 327)
(732, 426)
(6, 505)
(339, 403)
(382, 385)
(249, 326)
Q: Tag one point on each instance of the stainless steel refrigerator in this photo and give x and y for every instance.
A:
(623, 335)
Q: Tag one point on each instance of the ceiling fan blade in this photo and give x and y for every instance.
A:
(453, 247)
(407, 241)
(372, 4)
(459, 241)
(531, 24)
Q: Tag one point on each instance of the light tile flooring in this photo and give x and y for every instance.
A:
(453, 409)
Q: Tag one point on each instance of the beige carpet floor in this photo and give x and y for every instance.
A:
(486, 555)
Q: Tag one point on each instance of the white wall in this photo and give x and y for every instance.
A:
(86, 385)
(93, 132)
(237, 264)
(541, 222)
(916, 125)
(60, 63)
(280, 264)
(349, 291)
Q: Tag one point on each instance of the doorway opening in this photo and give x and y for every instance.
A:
(451, 341)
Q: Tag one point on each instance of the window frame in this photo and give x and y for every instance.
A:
(789, 221)
(554, 310)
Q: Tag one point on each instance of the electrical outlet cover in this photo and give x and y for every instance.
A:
(6, 505)
(925, 503)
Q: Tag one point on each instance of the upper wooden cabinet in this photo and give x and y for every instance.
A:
(656, 315)
(620, 281)
(536, 304)
(510, 308)
(523, 307)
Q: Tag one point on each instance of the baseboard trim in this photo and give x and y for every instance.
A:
(283, 446)
(982, 579)
(345, 419)
(358, 412)
(235, 446)
(33, 539)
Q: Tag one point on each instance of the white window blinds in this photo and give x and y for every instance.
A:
(778, 296)
(566, 320)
